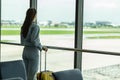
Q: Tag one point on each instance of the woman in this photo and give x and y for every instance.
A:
(30, 40)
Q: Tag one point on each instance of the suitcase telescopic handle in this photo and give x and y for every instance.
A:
(45, 60)
(41, 61)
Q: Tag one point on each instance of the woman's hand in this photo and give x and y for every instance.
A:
(45, 48)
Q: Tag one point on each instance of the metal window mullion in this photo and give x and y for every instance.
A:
(0, 20)
(78, 34)
(33, 4)
(0, 33)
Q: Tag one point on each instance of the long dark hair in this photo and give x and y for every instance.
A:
(30, 14)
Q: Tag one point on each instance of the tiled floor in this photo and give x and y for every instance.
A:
(104, 73)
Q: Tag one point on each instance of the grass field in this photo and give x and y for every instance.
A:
(54, 31)
(17, 32)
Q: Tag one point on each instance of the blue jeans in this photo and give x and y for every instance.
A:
(31, 60)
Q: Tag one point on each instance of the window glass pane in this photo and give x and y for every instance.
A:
(58, 60)
(11, 52)
(12, 16)
(101, 32)
(102, 25)
(101, 67)
(56, 19)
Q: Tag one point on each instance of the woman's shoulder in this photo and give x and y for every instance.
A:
(34, 24)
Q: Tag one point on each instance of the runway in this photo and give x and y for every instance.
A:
(11, 52)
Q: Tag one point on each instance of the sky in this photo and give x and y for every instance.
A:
(105, 10)
(63, 10)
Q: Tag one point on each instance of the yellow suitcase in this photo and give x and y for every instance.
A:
(44, 75)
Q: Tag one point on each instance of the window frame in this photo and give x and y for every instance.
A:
(78, 30)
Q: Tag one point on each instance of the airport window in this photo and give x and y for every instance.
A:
(101, 32)
(12, 16)
(56, 19)
(101, 25)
